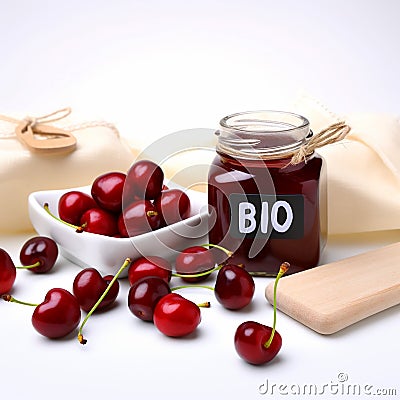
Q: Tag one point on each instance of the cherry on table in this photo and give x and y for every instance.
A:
(250, 340)
(257, 343)
(109, 288)
(58, 315)
(234, 287)
(144, 180)
(149, 266)
(8, 272)
(176, 316)
(145, 294)
(73, 204)
(107, 190)
(193, 260)
(89, 285)
(141, 217)
(38, 254)
(173, 206)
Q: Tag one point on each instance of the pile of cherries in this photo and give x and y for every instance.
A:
(150, 297)
(125, 205)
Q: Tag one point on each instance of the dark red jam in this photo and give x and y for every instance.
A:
(268, 211)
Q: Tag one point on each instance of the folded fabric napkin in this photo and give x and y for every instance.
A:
(363, 170)
(91, 149)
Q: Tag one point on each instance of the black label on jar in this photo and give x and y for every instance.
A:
(263, 215)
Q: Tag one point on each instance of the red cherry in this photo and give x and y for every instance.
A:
(141, 217)
(97, 220)
(89, 285)
(122, 232)
(73, 204)
(257, 343)
(110, 281)
(107, 190)
(7, 272)
(149, 266)
(193, 260)
(250, 340)
(144, 180)
(39, 250)
(234, 287)
(173, 206)
(58, 315)
(176, 316)
(145, 294)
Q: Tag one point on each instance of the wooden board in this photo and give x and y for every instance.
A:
(330, 297)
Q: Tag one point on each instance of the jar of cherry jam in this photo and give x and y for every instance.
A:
(267, 195)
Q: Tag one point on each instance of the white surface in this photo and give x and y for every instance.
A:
(108, 253)
(156, 67)
(128, 358)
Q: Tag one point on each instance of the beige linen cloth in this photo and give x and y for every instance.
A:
(363, 169)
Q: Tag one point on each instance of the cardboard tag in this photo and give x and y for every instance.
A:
(44, 138)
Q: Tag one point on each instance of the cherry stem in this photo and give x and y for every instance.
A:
(37, 264)
(226, 251)
(81, 339)
(78, 229)
(9, 298)
(206, 304)
(191, 286)
(217, 268)
(283, 268)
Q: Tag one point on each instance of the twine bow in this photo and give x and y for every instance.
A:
(48, 118)
(332, 134)
(36, 133)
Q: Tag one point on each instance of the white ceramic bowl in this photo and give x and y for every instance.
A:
(107, 253)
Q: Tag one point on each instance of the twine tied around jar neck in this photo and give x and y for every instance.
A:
(332, 134)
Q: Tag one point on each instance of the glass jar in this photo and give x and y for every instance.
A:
(267, 209)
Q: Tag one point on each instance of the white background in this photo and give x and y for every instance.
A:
(154, 67)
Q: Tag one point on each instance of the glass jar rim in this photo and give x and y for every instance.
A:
(303, 122)
(265, 134)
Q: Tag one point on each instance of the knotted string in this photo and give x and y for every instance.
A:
(32, 121)
(48, 118)
(52, 117)
(332, 134)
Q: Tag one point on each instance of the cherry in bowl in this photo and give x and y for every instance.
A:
(107, 190)
(144, 180)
